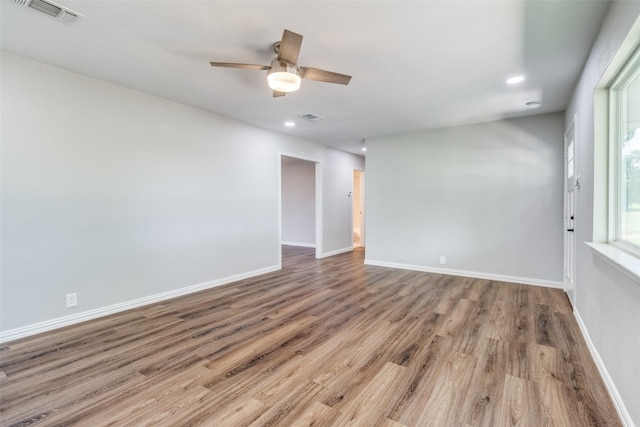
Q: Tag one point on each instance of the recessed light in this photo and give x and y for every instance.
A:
(533, 104)
(364, 148)
(515, 80)
(289, 124)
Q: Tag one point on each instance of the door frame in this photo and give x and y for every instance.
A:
(318, 201)
(362, 201)
(570, 208)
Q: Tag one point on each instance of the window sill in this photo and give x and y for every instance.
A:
(622, 261)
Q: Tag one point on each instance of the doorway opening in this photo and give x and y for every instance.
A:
(358, 208)
(300, 202)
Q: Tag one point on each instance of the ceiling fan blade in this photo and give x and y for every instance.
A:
(290, 47)
(244, 66)
(324, 76)
(277, 94)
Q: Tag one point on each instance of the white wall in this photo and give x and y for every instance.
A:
(338, 182)
(298, 202)
(120, 196)
(607, 301)
(486, 196)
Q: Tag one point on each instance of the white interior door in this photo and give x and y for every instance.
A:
(571, 187)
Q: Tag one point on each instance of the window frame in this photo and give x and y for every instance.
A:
(626, 75)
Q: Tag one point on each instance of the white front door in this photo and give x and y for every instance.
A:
(571, 187)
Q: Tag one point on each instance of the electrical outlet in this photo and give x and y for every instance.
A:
(443, 260)
(72, 300)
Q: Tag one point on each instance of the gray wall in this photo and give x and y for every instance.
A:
(486, 196)
(607, 301)
(122, 196)
(298, 202)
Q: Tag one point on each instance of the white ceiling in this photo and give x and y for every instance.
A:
(415, 64)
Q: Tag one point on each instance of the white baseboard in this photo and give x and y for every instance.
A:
(60, 322)
(303, 245)
(625, 417)
(464, 273)
(336, 252)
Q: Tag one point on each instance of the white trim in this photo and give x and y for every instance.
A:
(300, 157)
(625, 417)
(319, 210)
(60, 322)
(617, 121)
(621, 260)
(569, 245)
(336, 252)
(278, 248)
(474, 274)
(303, 245)
(362, 201)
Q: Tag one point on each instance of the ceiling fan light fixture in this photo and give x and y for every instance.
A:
(283, 77)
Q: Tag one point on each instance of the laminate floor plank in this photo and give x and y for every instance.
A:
(154, 402)
(291, 406)
(322, 342)
(132, 356)
(371, 403)
(238, 413)
(451, 383)
(487, 386)
(519, 405)
(555, 411)
(420, 383)
(316, 415)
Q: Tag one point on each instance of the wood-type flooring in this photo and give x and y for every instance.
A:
(328, 342)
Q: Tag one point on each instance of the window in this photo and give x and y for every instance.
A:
(624, 126)
(616, 159)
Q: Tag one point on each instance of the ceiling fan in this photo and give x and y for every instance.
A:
(284, 73)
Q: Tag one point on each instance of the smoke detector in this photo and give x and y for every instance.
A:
(64, 14)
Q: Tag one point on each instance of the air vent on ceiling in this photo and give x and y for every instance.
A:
(64, 14)
(311, 117)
